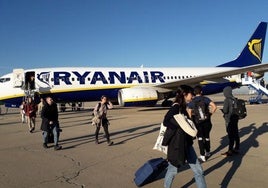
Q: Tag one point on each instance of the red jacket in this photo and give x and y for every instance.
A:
(30, 110)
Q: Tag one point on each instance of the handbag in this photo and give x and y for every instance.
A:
(158, 144)
(95, 120)
(186, 124)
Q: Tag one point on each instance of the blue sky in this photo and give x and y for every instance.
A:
(125, 33)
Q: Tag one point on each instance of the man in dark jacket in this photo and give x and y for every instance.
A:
(50, 122)
(231, 122)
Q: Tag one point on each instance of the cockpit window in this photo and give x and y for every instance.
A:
(2, 80)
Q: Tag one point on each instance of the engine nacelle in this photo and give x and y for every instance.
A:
(137, 97)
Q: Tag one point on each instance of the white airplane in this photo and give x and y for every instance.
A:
(131, 86)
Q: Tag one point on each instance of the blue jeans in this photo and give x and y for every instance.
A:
(55, 134)
(195, 166)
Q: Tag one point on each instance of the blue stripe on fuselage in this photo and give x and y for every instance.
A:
(94, 95)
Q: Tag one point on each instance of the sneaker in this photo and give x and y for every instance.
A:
(110, 143)
(97, 142)
(207, 154)
(202, 158)
(57, 147)
(227, 154)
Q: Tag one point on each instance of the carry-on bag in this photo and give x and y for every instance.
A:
(150, 171)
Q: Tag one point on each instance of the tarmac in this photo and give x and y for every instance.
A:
(81, 163)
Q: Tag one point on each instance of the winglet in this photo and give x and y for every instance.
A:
(253, 51)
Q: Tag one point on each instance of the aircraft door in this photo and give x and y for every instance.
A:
(30, 80)
(18, 78)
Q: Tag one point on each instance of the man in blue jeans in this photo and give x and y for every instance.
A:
(50, 122)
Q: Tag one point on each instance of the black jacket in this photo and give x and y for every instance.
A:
(175, 138)
(228, 105)
(49, 113)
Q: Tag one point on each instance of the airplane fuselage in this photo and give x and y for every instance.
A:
(88, 84)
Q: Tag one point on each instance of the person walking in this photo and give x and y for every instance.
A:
(50, 122)
(231, 122)
(22, 112)
(202, 109)
(100, 111)
(180, 144)
(40, 106)
(30, 112)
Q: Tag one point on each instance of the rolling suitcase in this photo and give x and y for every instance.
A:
(150, 171)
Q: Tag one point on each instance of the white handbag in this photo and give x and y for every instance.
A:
(186, 124)
(158, 144)
(95, 120)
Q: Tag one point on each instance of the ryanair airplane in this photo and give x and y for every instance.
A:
(131, 86)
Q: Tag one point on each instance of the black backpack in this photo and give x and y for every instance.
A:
(201, 110)
(239, 108)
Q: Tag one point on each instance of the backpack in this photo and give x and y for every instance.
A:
(201, 110)
(239, 108)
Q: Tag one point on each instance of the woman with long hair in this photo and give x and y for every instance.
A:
(180, 144)
(100, 111)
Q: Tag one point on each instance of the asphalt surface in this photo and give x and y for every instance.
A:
(82, 163)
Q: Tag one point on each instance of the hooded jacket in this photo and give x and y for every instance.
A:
(228, 104)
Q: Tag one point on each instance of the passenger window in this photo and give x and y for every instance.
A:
(3, 80)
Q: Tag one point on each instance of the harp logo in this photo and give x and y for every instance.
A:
(44, 77)
(254, 47)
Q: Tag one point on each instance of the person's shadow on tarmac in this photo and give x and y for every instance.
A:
(236, 160)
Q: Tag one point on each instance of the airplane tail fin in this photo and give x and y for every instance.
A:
(253, 51)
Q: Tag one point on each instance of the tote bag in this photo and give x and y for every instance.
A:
(158, 144)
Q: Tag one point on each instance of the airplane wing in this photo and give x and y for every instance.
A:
(215, 77)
